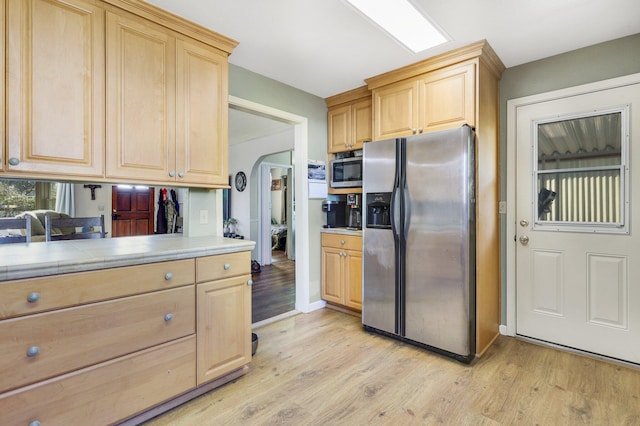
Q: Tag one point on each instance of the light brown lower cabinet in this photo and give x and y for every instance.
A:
(107, 392)
(122, 341)
(223, 345)
(342, 270)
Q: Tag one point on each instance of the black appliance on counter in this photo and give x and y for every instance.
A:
(335, 210)
(355, 215)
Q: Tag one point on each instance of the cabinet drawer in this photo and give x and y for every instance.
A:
(62, 291)
(347, 242)
(76, 337)
(108, 392)
(211, 268)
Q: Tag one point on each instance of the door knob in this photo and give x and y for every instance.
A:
(524, 223)
(524, 240)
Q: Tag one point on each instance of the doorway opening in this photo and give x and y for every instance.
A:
(276, 212)
(299, 192)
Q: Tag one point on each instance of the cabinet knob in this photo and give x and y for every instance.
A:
(181, 174)
(420, 130)
(34, 423)
(33, 297)
(14, 161)
(168, 317)
(414, 131)
(168, 276)
(250, 282)
(172, 173)
(342, 242)
(33, 351)
(227, 266)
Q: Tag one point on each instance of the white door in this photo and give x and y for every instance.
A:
(578, 222)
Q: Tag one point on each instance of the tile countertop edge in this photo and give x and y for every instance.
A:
(342, 231)
(19, 261)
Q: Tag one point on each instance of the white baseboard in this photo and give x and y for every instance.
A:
(315, 306)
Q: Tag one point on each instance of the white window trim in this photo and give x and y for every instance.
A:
(621, 227)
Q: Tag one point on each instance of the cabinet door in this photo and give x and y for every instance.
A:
(362, 114)
(202, 114)
(395, 110)
(447, 98)
(353, 277)
(55, 86)
(224, 327)
(140, 100)
(340, 133)
(332, 275)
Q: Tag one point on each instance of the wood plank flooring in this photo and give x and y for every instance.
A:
(274, 289)
(323, 369)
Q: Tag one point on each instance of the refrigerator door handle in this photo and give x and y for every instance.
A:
(395, 212)
(407, 212)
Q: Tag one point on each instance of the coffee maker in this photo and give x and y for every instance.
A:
(335, 213)
(355, 212)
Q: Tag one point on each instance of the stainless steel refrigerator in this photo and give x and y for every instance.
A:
(419, 240)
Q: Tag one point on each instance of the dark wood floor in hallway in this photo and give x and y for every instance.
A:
(274, 289)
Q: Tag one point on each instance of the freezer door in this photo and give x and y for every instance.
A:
(378, 251)
(440, 251)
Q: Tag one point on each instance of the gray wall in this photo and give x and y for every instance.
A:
(257, 88)
(590, 64)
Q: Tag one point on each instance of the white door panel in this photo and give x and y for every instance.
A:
(578, 284)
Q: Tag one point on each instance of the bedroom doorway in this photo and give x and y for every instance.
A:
(277, 215)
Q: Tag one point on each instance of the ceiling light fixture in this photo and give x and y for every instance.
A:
(403, 21)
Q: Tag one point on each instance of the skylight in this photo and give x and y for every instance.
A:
(403, 21)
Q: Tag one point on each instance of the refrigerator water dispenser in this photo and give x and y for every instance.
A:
(379, 210)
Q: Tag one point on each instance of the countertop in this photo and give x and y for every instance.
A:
(24, 260)
(342, 231)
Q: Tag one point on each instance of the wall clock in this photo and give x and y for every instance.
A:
(241, 181)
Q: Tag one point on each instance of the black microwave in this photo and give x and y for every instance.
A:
(346, 172)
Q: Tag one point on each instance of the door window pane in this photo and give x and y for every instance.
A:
(581, 172)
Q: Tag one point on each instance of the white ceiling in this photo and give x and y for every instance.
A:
(325, 47)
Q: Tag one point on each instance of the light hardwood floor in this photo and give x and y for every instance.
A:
(323, 369)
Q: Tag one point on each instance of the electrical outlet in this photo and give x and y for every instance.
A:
(204, 216)
(502, 207)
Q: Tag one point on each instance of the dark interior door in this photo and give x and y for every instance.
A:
(132, 210)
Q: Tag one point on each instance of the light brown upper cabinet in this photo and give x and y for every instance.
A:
(55, 88)
(349, 120)
(114, 90)
(166, 105)
(202, 114)
(441, 99)
(140, 99)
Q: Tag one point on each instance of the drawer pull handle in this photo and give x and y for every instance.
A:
(33, 297)
(168, 276)
(33, 351)
(250, 282)
(227, 266)
(34, 423)
(168, 317)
